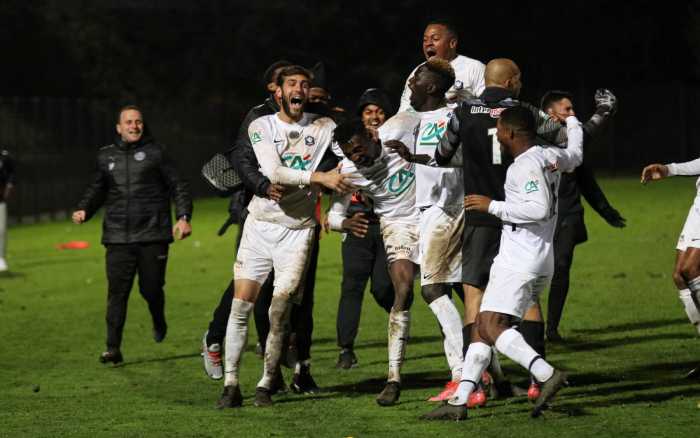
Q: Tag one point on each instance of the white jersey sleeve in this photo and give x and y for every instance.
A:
(530, 201)
(569, 158)
(338, 211)
(689, 168)
(261, 137)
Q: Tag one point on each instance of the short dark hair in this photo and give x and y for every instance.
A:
(520, 120)
(291, 71)
(270, 71)
(348, 129)
(447, 23)
(375, 96)
(129, 107)
(443, 72)
(553, 96)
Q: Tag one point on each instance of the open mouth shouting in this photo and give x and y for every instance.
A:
(429, 51)
(296, 103)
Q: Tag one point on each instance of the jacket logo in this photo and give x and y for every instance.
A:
(256, 137)
(309, 140)
(459, 85)
(110, 166)
(139, 156)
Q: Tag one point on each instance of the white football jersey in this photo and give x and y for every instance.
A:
(439, 186)
(390, 182)
(288, 154)
(529, 212)
(469, 82)
(689, 168)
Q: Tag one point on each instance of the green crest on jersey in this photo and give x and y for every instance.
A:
(400, 181)
(532, 186)
(431, 134)
(256, 137)
(295, 161)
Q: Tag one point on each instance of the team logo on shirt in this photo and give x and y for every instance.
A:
(532, 186)
(296, 161)
(140, 156)
(459, 84)
(256, 137)
(432, 133)
(401, 180)
(110, 166)
(309, 140)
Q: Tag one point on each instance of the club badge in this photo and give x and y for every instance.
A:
(110, 166)
(309, 140)
(459, 85)
(139, 156)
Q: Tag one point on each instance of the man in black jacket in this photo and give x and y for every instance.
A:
(571, 229)
(135, 181)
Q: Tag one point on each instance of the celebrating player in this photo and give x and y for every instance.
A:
(686, 274)
(289, 146)
(525, 261)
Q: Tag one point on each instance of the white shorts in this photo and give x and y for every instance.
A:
(690, 235)
(400, 240)
(512, 292)
(441, 246)
(265, 246)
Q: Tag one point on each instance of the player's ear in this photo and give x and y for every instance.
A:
(271, 87)
(453, 43)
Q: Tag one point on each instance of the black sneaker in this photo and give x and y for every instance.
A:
(159, 332)
(554, 336)
(390, 394)
(263, 397)
(230, 398)
(303, 382)
(448, 412)
(346, 359)
(114, 356)
(548, 390)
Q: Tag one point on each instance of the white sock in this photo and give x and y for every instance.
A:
(512, 344)
(236, 338)
(280, 309)
(451, 323)
(475, 362)
(690, 308)
(399, 324)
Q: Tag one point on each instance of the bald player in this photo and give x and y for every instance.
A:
(440, 39)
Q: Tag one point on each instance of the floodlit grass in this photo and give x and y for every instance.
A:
(629, 343)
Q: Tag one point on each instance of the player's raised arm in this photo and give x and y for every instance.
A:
(567, 159)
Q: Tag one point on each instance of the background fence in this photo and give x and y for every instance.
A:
(54, 140)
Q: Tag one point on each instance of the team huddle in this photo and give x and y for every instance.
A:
(460, 188)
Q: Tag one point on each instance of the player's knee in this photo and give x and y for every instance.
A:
(678, 279)
(279, 312)
(403, 299)
(432, 292)
(689, 271)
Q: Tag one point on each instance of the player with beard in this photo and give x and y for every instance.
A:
(289, 146)
(440, 39)
(389, 180)
(525, 260)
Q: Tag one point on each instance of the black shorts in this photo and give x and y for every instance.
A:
(479, 248)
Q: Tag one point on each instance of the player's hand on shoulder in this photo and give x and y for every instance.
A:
(357, 224)
(78, 216)
(654, 172)
(399, 148)
(336, 181)
(477, 203)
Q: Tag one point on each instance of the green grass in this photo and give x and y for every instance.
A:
(629, 343)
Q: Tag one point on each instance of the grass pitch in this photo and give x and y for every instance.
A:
(629, 343)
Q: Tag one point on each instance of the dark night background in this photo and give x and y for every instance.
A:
(195, 67)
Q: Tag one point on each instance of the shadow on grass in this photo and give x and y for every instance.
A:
(12, 274)
(585, 345)
(371, 344)
(641, 325)
(156, 360)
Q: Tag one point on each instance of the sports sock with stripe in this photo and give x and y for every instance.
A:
(512, 344)
(475, 362)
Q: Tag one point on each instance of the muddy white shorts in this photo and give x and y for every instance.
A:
(512, 292)
(265, 246)
(690, 235)
(400, 240)
(440, 237)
